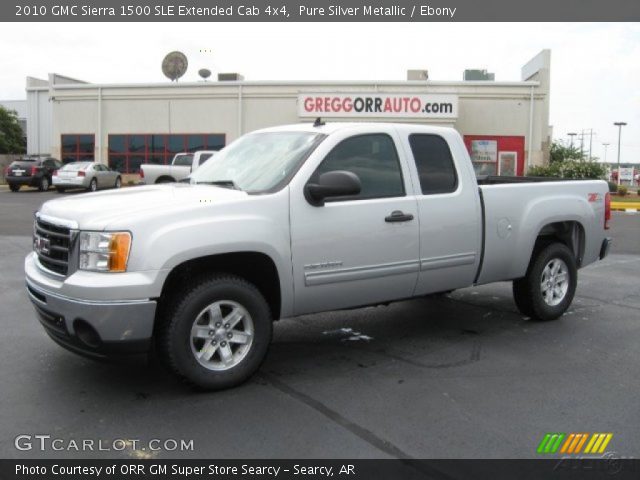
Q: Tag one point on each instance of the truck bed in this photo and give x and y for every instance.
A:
(499, 180)
(517, 209)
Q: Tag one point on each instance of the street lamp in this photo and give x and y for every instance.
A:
(619, 125)
(605, 145)
(572, 134)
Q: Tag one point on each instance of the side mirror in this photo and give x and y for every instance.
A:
(337, 183)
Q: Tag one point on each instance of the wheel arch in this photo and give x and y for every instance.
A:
(570, 233)
(165, 179)
(256, 267)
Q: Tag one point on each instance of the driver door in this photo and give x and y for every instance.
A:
(357, 250)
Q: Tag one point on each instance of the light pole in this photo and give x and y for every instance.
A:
(571, 135)
(605, 145)
(619, 125)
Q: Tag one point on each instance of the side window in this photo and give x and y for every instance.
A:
(204, 157)
(434, 162)
(374, 159)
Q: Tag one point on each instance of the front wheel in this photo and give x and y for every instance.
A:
(546, 292)
(118, 183)
(216, 333)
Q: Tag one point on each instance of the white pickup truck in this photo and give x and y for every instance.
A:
(295, 220)
(182, 165)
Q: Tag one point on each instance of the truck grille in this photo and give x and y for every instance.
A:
(52, 244)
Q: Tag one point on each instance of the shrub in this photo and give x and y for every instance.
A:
(622, 190)
(613, 187)
(570, 169)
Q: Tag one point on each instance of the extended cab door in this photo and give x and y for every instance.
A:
(357, 250)
(449, 212)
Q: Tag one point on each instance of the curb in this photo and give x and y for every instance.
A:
(625, 206)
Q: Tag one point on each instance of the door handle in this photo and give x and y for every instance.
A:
(398, 216)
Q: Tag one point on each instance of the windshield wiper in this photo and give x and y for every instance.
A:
(221, 183)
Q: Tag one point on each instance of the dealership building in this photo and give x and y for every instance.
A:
(505, 124)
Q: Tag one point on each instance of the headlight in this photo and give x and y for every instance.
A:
(104, 251)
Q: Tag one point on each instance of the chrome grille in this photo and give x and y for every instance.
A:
(52, 244)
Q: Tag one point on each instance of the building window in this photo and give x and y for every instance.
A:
(78, 147)
(128, 152)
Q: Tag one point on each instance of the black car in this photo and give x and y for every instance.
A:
(31, 171)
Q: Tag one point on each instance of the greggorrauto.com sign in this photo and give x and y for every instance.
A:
(379, 105)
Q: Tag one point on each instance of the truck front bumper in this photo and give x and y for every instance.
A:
(90, 327)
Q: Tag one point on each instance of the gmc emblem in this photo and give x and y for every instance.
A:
(41, 244)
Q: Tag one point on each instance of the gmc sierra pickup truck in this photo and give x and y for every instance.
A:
(295, 220)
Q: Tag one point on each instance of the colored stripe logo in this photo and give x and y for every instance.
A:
(573, 443)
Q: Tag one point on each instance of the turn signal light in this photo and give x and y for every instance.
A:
(119, 251)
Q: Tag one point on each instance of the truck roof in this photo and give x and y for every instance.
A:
(332, 127)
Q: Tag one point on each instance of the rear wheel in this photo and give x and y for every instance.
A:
(93, 185)
(546, 292)
(13, 187)
(43, 186)
(216, 333)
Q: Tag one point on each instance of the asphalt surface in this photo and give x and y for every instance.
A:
(461, 376)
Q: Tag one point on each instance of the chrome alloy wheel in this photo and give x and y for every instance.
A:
(555, 282)
(221, 335)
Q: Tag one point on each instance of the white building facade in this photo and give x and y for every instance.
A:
(505, 125)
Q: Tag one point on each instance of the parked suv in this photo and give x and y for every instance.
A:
(31, 171)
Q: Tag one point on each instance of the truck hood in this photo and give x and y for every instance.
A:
(97, 211)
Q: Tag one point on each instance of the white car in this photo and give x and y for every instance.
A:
(90, 176)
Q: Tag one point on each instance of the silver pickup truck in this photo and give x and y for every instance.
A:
(295, 220)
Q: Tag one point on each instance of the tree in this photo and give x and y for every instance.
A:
(561, 153)
(11, 136)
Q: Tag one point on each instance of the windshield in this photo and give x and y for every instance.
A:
(258, 161)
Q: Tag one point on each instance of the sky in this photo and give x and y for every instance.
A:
(595, 69)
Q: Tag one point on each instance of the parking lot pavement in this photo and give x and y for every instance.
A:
(463, 375)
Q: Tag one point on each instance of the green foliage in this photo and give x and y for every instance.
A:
(570, 169)
(613, 187)
(622, 190)
(560, 152)
(11, 139)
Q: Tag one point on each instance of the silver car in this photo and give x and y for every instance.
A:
(88, 175)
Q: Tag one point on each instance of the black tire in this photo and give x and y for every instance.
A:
(528, 291)
(165, 180)
(93, 185)
(13, 187)
(44, 184)
(118, 183)
(522, 298)
(60, 189)
(174, 343)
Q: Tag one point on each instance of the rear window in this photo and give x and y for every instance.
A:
(74, 167)
(184, 160)
(434, 162)
(23, 160)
